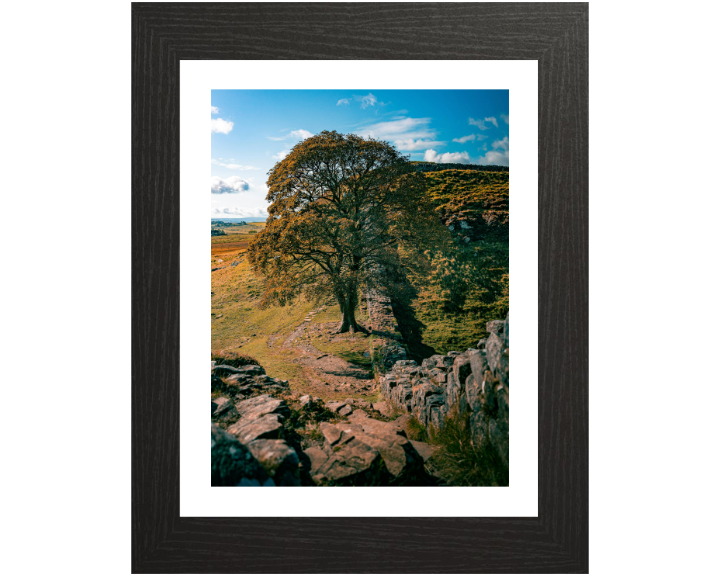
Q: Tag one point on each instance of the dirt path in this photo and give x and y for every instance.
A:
(327, 374)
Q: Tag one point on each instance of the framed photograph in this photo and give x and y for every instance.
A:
(356, 309)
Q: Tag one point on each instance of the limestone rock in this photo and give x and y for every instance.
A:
(253, 408)
(358, 402)
(478, 364)
(247, 430)
(472, 392)
(331, 432)
(317, 458)
(475, 381)
(402, 421)
(496, 327)
(232, 463)
(424, 449)
(397, 452)
(462, 367)
(348, 461)
(438, 376)
(383, 408)
(238, 379)
(279, 460)
(335, 406)
(225, 370)
(494, 350)
(223, 409)
(345, 411)
(359, 413)
(378, 428)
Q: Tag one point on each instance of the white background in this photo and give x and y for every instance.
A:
(653, 286)
(197, 497)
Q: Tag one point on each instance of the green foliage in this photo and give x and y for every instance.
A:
(463, 281)
(340, 206)
(460, 461)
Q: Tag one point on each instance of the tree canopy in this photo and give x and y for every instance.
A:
(345, 214)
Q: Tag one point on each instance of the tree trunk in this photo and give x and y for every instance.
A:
(349, 324)
(347, 308)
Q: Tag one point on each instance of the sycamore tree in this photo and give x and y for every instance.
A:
(346, 215)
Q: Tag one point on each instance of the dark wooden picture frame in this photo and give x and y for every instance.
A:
(556, 35)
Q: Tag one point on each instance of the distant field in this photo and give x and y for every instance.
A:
(236, 240)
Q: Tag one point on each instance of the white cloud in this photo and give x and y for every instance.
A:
(506, 118)
(301, 134)
(257, 211)
(368, 100)
(503, 144)
(500, 153)
(469, 138)
(293, 134)
(232, 185)
(501, 158)
(448, 157)
(214, 110)
(405, 133)
(221, 126)
(280, 155)
(365, 101)
(492, 120)
(233, 165)
(479, 123)
(416, 144)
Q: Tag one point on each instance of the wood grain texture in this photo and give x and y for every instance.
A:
(554, 34)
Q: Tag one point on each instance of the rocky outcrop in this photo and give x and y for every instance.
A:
(253, 439)
(364, 451)
(233, 464)
(278, 459)
(476, 381)
(262, 445)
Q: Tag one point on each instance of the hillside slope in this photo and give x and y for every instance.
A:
(465, 281)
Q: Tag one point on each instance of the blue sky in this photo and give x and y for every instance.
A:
(253, 129)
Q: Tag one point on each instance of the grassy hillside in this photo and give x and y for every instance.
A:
(240, 326)
(465, 281)
(481, 199)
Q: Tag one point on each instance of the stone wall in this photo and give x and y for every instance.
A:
(384, 325)
(475, 381)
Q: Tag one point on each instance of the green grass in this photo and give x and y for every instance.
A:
(460, 461)
(416, 430)
(241, 327)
